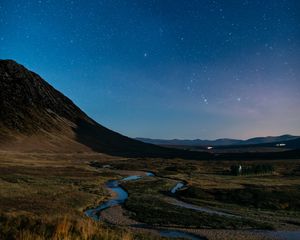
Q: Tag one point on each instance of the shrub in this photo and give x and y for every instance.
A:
(252, 169)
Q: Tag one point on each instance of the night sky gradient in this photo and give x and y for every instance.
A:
(166, 68)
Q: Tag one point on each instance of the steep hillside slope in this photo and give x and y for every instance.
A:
(36, 117)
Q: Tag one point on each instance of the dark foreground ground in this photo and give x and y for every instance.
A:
(43, 196)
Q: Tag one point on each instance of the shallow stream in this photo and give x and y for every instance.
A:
(122, 195)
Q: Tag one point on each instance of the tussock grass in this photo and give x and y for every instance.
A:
(273, 197)
(23, 228)
(43, 196)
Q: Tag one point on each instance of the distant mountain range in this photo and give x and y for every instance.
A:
(220, 142)
(35, 117)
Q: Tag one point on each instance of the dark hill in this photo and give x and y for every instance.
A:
(36, 117)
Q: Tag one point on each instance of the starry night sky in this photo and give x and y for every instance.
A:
(166, 68)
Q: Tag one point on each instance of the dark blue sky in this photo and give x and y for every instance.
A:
(166, 68)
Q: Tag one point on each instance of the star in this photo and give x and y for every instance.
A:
(199, 55)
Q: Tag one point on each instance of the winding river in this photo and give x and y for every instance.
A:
(122, 195)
